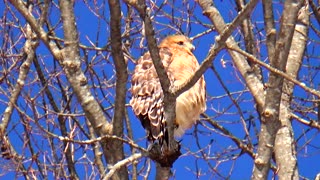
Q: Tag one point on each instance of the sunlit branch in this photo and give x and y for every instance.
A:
(312, 123)
(94, 140)
(121, 163)
(276, 71)
(29, 51)
(253, 82)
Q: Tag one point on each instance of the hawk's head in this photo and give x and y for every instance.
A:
(177, 42)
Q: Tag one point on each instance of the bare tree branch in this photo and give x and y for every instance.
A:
(315, 10)
(276, 71)
(249, 40)
(312, 123)
(122, 163)
(285, 150)
(252, 81)
(19, 5)
(65, 114)
(271, 32)
(72, 64)
(7, 149)
(270, 116)
(116, 148)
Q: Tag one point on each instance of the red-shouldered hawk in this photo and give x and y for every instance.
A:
(147, 95)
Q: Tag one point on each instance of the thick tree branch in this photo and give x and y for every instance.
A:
(116, 147)
(285, 152)
(20, 6)
(270, 117)
(315, 10)
(96, 148)
(225, 32)
(163, 173)
(271, 32)
(7, 150)
(71, 60)
(249, 40)
(121, 164)
(275, 70)
(61, 118)
(29, 53)
(253, 82)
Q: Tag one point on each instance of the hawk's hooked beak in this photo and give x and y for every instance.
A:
(190, 46)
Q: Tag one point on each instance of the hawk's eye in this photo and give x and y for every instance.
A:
(180, 43)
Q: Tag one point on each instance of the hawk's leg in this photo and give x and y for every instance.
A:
(163, 155)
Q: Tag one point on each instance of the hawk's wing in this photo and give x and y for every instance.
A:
(147, 94)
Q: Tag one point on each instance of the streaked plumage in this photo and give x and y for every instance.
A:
(147, 96)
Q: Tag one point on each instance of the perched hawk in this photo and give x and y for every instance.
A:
(147, 96)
